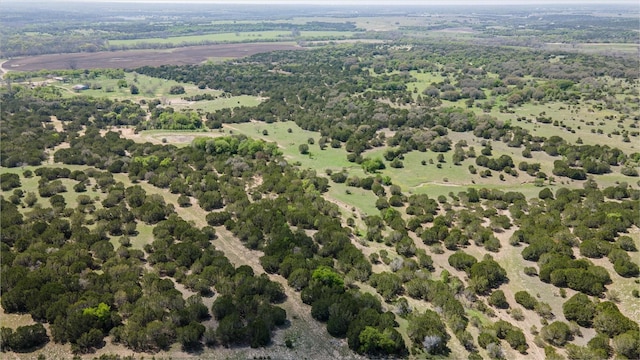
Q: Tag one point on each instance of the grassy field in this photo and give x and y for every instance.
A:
(597, 48)
(149, 87)
(234, 37)
(413, 177)
(70, 196)
(217, 104)
(155, 88)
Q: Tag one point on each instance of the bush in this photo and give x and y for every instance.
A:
(557, 333)
(184, 201)
(339, 177)
(25, 338)
(485, 338)
(626, 243)
(176, 90)
(530, 271)
(497, 299)
(429, 332)
(9, 181)
(525, 299)
(517, 314)
(462, 261)
(303, 149)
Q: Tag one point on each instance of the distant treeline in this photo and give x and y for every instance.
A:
(61, 39)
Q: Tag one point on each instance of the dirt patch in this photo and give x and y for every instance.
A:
(175, 138)
(130, 59)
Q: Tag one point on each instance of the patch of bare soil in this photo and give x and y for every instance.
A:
(131, 59)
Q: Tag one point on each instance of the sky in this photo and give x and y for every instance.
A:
(370, 2)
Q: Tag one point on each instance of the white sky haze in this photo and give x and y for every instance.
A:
(363, 2)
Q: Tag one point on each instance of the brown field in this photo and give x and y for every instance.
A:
(129, 59)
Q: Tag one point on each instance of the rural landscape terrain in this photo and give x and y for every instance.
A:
(220, 181)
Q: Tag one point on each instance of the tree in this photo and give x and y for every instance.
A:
(428, 332)
(525, 299)
(557, 333)
(88, 341)
(304, 149)
(372, 165)
(515, 338)
(498, 300)
(25, 338)
(374, 342)
(610, 321)
(259, 333)
(9, 181)
(189, 336)
(327, 276)
(134, 89)
(462, 261)
(490, 271)
(176, 90)
(231, 330)
(579, 308)
(628, 344)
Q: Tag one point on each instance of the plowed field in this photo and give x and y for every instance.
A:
(130, 59)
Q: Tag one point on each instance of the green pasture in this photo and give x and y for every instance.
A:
(414, 177)
(154, 88)
(364, 201)
(288, 142)
(149, 87)
(231, 37)
(70, 196)
(217, 104)
(572, 123)
(424, 80)
(596, 48)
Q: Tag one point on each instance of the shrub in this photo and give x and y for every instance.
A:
(25, 338)
(557, 333)
(626, 243)
(525, 299)
(176, 90)
(517, 314)
(462, 261)
(497, 299)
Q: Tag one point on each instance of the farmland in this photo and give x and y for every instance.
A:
(236, 37)
(136, 58)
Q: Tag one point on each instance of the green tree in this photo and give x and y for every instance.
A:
(327, 276)
(428, 332)
(525, 299)
(303, 149)
(374, 342)
(579, 308)
(498, 300)
(557, 333)
(189, 336)
(372, 165)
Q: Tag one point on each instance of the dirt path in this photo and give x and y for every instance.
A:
(310, 337)
(2, 70)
